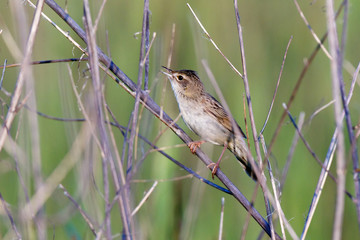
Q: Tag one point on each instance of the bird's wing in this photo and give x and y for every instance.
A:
(218, 112)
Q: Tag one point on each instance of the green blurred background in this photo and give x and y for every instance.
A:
(185, 208)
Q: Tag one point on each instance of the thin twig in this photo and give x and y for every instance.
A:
(336, 76)
(291, 152)
(144, 155)
(83, 111)
(119, 182)
(174, 179)
(147, 47)
(3, 73)
(319, 42)
(63, 32)
(307, 145)
(13, 226)
(221, 225)
(99, 119)
(144, 61)
(354, 147)
(316, 112)
(277, 86)
(99, 15)
(45, 62)
(245, 122)
(78, 207)
(213, 43)
(122, 179)
(147, 195)
(138, 88)
(261, 178)
(275, 189)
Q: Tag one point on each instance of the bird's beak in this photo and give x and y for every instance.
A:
(168, 73)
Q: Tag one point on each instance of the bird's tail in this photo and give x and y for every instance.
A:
(239, 148)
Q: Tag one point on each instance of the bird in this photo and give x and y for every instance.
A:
(207, 118)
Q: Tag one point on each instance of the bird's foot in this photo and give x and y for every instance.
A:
(214, 167)
(194, 145)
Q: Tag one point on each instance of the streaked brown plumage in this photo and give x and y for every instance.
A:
(206, 117)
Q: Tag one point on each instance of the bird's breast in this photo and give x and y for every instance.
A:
(202, 123)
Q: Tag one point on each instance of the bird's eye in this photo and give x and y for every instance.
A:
(180, 77)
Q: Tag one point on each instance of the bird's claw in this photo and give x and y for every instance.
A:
(215, 167)
(194, 145)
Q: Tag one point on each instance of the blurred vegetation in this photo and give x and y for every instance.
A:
(185, 208)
